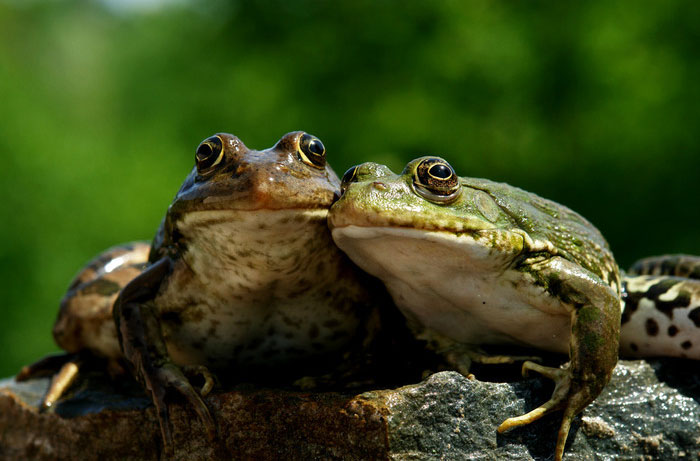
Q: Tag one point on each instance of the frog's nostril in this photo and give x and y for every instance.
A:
(379, 185)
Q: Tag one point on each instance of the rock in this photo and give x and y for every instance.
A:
(650, 410)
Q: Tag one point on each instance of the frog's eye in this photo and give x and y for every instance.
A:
(349, 177)
(311, 151)
(209, 153)
(435, 180)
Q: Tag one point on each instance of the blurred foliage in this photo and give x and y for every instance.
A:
(595, 105)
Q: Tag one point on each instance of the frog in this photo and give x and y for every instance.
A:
(472, 262)
(242, 279)
(84, 327)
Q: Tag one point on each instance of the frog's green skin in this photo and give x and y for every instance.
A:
(471, 262)
(242, 277)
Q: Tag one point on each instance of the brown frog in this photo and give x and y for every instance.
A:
(242, 277)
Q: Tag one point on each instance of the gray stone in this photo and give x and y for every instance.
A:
(650, 410)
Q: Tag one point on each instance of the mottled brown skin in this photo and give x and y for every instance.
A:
(85, 326)
(243, 274)
(85, 318)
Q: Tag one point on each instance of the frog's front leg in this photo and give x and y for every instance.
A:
(595, 332)
(142, 342)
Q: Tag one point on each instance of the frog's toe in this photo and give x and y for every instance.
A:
(201, 370)
(170, 376)
(63, 368)
(559, 398)
(59, 384)
(569, 395)
(184, 388)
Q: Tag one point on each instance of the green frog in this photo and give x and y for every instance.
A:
(472, 262)
(242, 278)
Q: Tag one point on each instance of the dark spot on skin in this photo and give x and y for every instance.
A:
(634, 347)
(694, 315)
(652, 327)
(669, 266)
(199, 345)
(101, 287)
(686, 345)
(331, 323)
(269, 353)
(172, 317)
(254, 344)
(194, 315)
(271, 331)
(313, 331)
(338, 334)
(631, 304)
(483, 302)
(290, 322)
(653, 293)
(672, 330)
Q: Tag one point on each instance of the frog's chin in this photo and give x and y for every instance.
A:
(256, 219)
(378, 249)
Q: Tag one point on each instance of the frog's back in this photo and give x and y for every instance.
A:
(85, 316)
(572, 236)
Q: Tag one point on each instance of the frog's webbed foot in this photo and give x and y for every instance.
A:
(170, 376)
(568, 394)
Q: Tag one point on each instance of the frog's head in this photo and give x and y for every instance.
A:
(229, 176)
(428, 213)
(427, 195)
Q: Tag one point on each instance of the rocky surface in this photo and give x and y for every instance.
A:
(650, 410)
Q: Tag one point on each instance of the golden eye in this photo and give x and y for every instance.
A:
(434, 179)
(349, 177)
(209, 153)
(311, 151)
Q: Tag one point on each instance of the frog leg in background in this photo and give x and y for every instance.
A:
(142, 342)
(595, 331)
(661, 316)
(678, 265)
(62, 367)
(85, 325)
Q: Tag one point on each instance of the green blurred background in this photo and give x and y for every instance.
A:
(102, 104)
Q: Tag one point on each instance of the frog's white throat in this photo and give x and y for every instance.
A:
(462, 285)
(387, 251)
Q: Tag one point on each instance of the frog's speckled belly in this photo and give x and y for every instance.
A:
(259, 301)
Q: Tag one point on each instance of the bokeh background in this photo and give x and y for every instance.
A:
(102, 104)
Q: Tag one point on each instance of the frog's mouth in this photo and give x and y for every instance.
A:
(253, 221)
(371, 247)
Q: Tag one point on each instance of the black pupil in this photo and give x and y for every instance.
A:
(316, 147)
(203, 151)
(440, 171)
